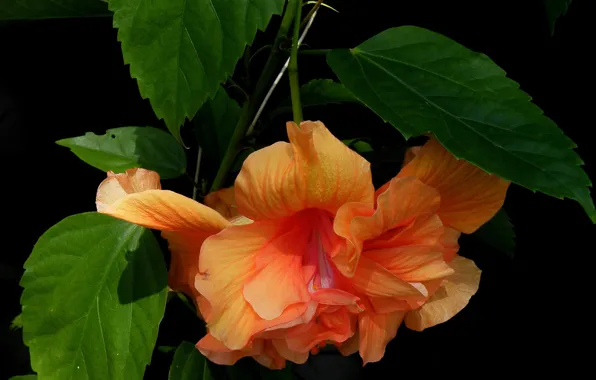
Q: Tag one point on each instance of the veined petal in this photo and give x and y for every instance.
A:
(117, 186)
(269, 357)
(376, 330)
(282, 348)
(469, 196)
(223, 201)
(278, 282)
(315, 170)
(399, 205)
(450, 298)
(336, 325)
(134, 196)
(375, 281)
(227, 262)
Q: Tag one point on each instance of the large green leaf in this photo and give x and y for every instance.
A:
(130, 147)
(498, 233)
(554, 10)
(189, 364)
(181, 50)
(94, 295)
(215, 124)
(420, 82)
(42, 9)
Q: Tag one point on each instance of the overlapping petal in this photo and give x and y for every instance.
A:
(314, 170)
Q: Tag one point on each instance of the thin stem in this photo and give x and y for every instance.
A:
(278, 79)
(196, 181)
(311, 13)
(252, 105)
(293, 69)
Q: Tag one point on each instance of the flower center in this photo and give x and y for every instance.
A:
(316, 261)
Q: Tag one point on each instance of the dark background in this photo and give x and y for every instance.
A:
(62, 78)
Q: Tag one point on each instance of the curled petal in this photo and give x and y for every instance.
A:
(376, 330)
(375, 281)
(450, 298)
(469, 196)
(336, 325)
(117, 186)
(315, 170)
(134, 196)
(223, 201)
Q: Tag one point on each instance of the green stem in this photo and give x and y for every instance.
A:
(252, 105)
(293, 69)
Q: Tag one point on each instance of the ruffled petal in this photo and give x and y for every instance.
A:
(215, 351)
(450, 298)
(375, 281)
(469, 196)
(376, 330)
(282, 348)
(269, 357)
(315, 170)
(117, 186)
(336, 325)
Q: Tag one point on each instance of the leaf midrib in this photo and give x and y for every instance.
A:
(462, 122)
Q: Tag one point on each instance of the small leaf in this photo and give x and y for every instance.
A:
(44, 9)
(24, 377)
(421, 82)
(130, 147)
(498, 233)
(359, 145)
(17, 322)
(215, 124)
(94, 295)
(554, 10)
(180, 51)
(318, 92)
(189, 364)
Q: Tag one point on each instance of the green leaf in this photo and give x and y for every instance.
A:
(215, 124)
(498, 233)
(180, 50)
(189, 364)
(94, 295)
(554, 10)
(359, 145)
(44, 9)
(24, 377)
(17, 322)
(130, 147)
(420, 82)
(318, 92)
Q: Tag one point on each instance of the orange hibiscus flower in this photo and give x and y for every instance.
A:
(316, 255)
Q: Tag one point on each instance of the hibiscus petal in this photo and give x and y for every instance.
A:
(469, 196)
(282, 348)
(117, 186)
(270, 358)
(278, 282)
(215, 350)
(223, 201)
(315, 170)
(376, 330)
(400, 204)
(450, 298)
(375, 281)
(227, 262)
(335, 326)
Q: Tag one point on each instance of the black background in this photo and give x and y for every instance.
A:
(62, 78)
